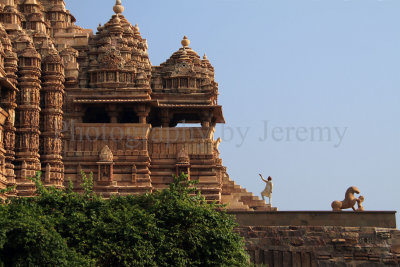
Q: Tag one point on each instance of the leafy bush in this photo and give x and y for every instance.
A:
(173, 227)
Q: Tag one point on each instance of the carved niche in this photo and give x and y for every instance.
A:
(183, 162)
(105, 166)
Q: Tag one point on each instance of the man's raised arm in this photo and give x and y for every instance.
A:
(262, 178)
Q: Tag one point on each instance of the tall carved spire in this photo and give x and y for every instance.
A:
(118, 8)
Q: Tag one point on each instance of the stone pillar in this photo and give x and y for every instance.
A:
(165, 118)
(53, 93)
(112, 113)
(206, 117)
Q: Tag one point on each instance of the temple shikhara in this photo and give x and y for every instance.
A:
(73, 100)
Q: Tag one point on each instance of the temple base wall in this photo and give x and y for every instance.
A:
(308, 239)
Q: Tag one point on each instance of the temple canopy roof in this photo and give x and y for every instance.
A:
(186, 73)
(186, 62)
(187, 54)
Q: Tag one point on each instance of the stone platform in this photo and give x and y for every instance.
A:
(320, 238)
(383, 219)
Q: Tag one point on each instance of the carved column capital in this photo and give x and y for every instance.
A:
(142, 111)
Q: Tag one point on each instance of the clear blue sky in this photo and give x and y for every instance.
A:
(300, 65)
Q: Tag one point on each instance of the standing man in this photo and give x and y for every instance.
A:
(268, 188)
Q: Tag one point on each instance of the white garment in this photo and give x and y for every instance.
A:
(268, 189)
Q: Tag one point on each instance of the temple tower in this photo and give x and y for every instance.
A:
(27, 117)
(107, 110)
(8, 102)
(7, 93)
(52, 95)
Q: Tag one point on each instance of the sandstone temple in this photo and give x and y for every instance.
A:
(74, 100)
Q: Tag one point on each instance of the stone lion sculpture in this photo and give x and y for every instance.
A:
(349, 201)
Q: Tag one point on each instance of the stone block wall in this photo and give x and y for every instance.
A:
(309, 246)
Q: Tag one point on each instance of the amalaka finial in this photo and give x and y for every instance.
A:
(185, 42)
(118, 8)
(205, 56)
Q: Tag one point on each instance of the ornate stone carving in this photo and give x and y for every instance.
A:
(183, 69)
(112, 59)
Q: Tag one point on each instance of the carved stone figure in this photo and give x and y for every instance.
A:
(349, 201)
(216, 144)
(268, 189)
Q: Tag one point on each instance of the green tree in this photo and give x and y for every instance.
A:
(173, 227)
(28, 238)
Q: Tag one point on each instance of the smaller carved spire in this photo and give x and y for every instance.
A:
(183, 156)
(118, 8)
(185, 42)
(106, 154)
